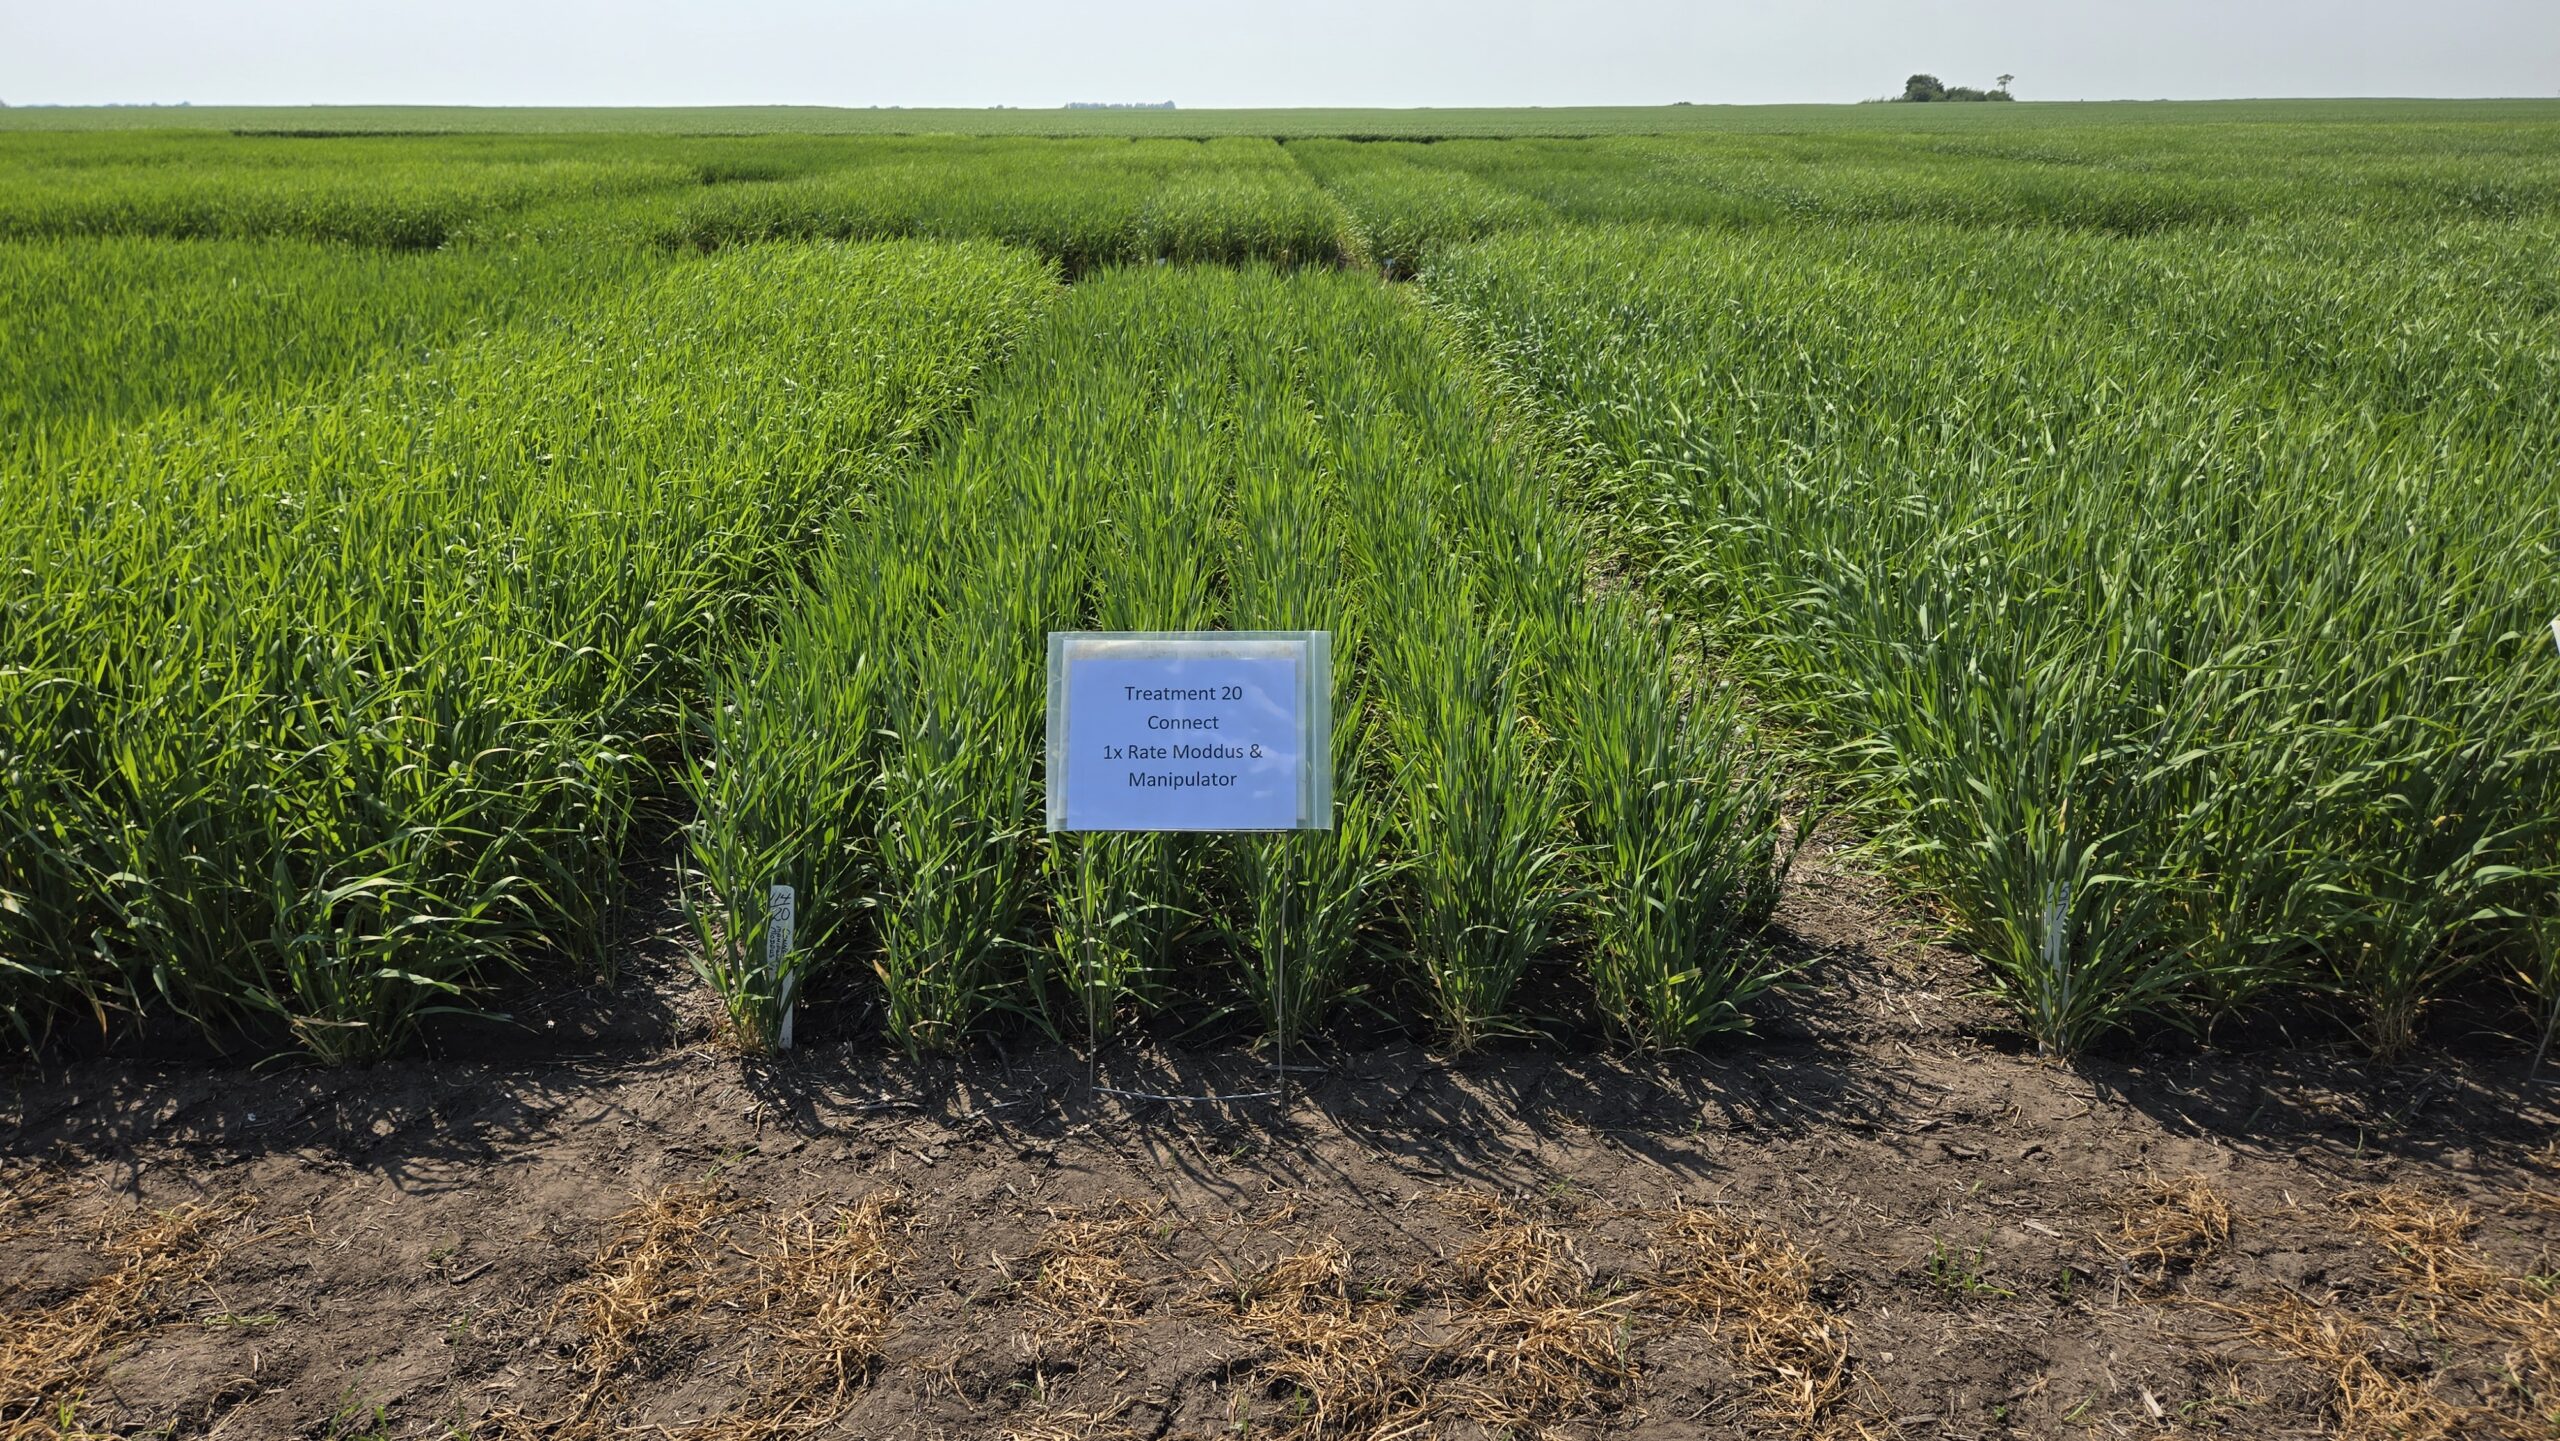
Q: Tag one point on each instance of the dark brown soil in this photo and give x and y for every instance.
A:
(1999, 1246)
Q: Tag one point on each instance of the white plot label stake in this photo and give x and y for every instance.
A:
(780, 910)
(1192, 731)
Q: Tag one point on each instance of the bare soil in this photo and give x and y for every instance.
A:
(1877, 1216)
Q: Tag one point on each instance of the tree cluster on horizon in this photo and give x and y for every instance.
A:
(1921, 88)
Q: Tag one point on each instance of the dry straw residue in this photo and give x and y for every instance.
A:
(2460, 1308)
(1756, 1287)
(2373, 1400)
(1520, 1334)
(823, 1293)
(814, 1297)
(1080, 1276)
(1342, 1355)
(1515, 1336)
(2166, 1227)
(1538, 1340)
(51, 1356)
(657, 1263)
(2454, 1285)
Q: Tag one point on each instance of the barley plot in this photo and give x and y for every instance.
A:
(1170, 448)
(317, 716)
(2190, 657)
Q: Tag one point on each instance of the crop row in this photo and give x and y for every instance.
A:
(1402, 209)
(401, 194)
(1083, 203)
(1524, 776)
(1089, 202)
(107, 331)
(317, 715)
(2122, 181)
(2175, 609)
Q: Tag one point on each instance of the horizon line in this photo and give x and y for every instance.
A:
(1162, 107)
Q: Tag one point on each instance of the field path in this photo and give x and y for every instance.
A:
(427, 1237)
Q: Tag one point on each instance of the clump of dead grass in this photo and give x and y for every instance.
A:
(824, 1294)
(1536, 1340)
(2445, 1289)
(1079, 1271)
(656, 1263)
(2165, 1227)
(50, 1357)
(1520, 1334)
(816, 1297)
(2442, 1276)
(1344, 1357)
(1756, 1288)
(2371, 1399)
(1514, 1334)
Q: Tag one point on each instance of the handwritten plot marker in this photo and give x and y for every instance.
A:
(781, 911)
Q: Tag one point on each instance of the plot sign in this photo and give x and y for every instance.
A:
(1221, 730)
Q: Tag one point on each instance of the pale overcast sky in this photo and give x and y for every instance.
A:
(1310, 52)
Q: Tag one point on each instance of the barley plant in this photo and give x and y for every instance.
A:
(1122, 905)
(1477, 805)
(955, 829)
(1084, 204)
(400, 193)
(216, 324)
(1308, 905)
(2096, 179)
(1681, 829)
(2539, 975)
(786, 790)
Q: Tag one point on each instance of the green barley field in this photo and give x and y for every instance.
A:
(2133, 530)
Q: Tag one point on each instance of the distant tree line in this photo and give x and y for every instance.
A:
(1929, 87)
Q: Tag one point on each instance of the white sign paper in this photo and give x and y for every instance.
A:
(1190, 731)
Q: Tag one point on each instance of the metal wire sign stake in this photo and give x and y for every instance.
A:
(1199, 731)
